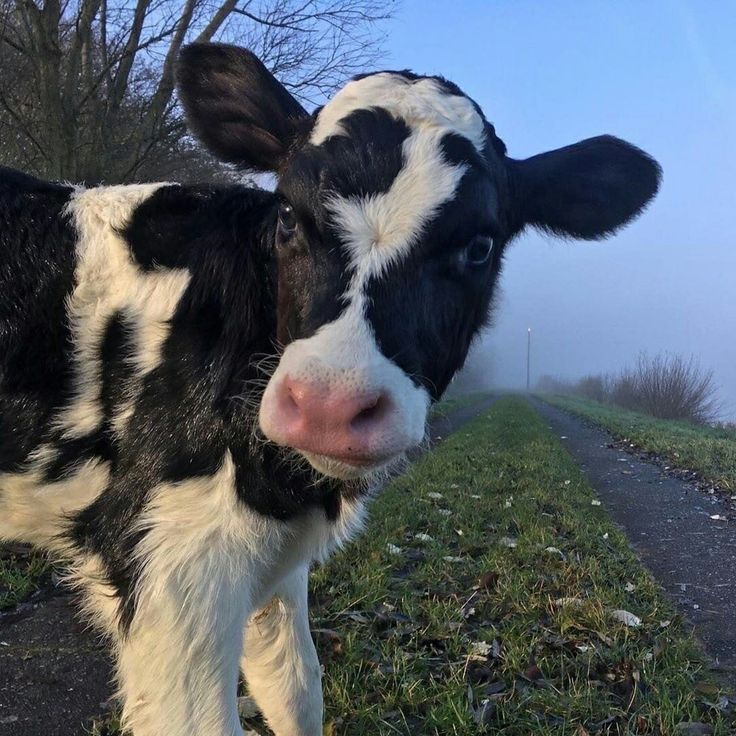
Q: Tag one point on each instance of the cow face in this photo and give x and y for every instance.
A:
(396, 200)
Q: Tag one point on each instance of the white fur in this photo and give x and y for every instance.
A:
(418, 102)
(280, 661)
(99, 600)
(207, 564)
(35, 511)
(107, 281)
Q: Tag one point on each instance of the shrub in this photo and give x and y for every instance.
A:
(671, 387)
(595, 388)
(665, 386)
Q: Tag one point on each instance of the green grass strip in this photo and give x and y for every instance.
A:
(709, 451)
(412, 645)
(20, 576)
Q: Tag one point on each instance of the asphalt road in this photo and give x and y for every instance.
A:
(670, 525)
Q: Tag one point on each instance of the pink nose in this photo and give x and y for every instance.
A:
(333, 421)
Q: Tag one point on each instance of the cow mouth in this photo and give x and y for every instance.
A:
(350, 467)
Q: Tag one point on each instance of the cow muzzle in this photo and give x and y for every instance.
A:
(347, 422)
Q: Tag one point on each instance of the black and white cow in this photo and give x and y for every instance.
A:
(137, 439)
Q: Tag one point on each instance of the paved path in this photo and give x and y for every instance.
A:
(668, 522)
(55, 675)
(442, 425)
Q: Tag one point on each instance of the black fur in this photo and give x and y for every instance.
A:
(36, 275)
(587, 190)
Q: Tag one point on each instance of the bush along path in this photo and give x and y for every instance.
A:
(684, 535)
(492, 590)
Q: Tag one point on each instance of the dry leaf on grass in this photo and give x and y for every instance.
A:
(626, 618)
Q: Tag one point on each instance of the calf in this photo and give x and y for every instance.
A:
(138, 437)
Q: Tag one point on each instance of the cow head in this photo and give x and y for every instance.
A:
(396, 201)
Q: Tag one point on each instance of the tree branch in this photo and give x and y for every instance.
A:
(217, 20)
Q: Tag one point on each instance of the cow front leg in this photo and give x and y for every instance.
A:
(280, 662)
(178, 663)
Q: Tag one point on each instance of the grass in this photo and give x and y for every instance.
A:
(508, 605)
(709, 451)
(21, 573)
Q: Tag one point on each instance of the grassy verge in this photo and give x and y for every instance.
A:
(504, 616)
(710, 452)
(446, 406)
(21, 573)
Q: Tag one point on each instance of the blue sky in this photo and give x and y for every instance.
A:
(659, 74)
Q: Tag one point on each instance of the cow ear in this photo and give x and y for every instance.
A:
(236, 107)
(587, 190)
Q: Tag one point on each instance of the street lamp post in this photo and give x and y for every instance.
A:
(528, 358)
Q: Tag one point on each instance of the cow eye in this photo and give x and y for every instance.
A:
(287, 221)
(479, 250)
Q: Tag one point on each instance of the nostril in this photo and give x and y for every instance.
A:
(292, 397)
(367, 413)
(371, 413)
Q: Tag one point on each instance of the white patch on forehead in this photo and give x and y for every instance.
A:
(417, 102)
(380, 228)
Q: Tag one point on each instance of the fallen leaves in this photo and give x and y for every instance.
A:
(626, 618)
(481, 648)
(536, 619)
(488, 580)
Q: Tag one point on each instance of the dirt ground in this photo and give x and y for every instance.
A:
(54, 674)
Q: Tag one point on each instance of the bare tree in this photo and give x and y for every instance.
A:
(87, 86)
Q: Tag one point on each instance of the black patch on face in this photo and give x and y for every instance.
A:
(426, 310)
(495, 144)
(37, 259)
(314, 271)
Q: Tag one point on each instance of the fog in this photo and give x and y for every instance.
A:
(661, 75)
